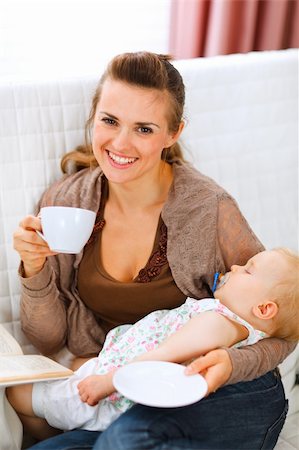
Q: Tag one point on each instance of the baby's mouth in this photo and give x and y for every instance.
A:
(222, 280)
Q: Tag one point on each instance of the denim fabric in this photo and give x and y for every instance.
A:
(71, 440)
(246, 415)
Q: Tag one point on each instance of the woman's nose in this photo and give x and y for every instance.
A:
(121, 140)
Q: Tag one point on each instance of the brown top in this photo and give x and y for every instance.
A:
(114, 302)
(206, 232)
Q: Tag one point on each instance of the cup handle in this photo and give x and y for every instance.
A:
(40, 234)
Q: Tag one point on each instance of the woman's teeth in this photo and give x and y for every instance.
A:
(121, 159)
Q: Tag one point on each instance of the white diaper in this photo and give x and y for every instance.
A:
(59, 403)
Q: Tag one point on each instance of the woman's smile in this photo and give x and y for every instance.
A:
(120, 161)
(130, 132)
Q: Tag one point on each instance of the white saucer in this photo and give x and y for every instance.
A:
(159, 383)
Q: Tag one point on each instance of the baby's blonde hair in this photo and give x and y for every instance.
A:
(286, 296)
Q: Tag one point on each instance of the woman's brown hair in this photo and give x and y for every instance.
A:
(143, 69)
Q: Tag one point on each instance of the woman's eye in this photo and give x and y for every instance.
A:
(109, 121)
(145, 130)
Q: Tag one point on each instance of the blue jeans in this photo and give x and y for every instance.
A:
(247, 415)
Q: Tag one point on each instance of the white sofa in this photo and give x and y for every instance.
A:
(242, 126)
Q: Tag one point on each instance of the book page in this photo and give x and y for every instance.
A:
(8, 344)
(27, 368)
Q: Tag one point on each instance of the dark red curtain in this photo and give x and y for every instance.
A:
(220, 27)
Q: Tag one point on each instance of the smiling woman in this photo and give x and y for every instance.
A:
(162, 229)
(133, 147)
(152, 124)
(41, 38)
(131, 141)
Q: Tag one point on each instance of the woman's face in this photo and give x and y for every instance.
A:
(130, 131)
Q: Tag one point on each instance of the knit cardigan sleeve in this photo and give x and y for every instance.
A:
(237, 243)
(52, 312)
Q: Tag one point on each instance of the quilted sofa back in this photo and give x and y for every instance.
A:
(241, 129)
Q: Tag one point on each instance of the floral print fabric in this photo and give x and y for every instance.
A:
(125, 342)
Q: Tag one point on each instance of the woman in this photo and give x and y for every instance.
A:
(163, 229)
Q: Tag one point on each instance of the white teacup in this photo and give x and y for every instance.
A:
(66, 229)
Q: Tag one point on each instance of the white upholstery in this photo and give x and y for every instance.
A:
(242, 126)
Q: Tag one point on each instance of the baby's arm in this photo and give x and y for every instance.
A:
(202, 333)
(199, 335)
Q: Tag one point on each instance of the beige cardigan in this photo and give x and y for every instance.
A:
(206, 233)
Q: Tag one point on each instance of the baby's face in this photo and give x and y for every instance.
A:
(252, 284)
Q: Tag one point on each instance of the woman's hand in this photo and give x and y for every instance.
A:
(95, 387)
(215, 367)
(33, 250)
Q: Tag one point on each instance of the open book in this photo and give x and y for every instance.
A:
(17, 368)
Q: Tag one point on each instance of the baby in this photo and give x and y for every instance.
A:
(251, 302)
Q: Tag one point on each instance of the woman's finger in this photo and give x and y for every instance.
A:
(215, 366)
(26, 241)
(197, 366)
(31, 222)
(30, 236)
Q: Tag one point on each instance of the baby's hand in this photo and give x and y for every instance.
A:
(95, 387)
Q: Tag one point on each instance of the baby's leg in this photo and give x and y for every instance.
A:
(78, 362)
(20, 397)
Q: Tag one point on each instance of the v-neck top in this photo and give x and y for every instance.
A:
(115, 302)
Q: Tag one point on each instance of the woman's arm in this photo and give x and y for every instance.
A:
(51, 309)
(43, 305)
(218, 369)
(255, 360)
(43, 312)
(237, 243)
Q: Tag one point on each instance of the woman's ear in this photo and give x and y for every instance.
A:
(265, 311)
(175, 136)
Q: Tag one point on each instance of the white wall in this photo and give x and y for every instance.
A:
(75, 37)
